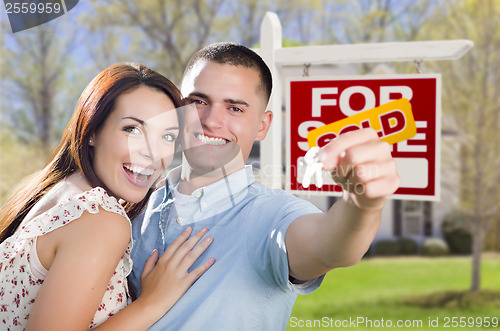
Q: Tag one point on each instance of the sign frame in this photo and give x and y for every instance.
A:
(403, 196)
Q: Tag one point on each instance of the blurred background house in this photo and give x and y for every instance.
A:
(44, 69)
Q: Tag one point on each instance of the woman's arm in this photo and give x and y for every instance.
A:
(164, 281)
(87, 252)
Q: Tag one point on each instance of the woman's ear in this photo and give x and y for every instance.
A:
(92, 140)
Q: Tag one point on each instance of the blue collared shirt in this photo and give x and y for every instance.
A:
(248, 287)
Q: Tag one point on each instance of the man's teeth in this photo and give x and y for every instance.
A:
(139, 170)
(211, 141)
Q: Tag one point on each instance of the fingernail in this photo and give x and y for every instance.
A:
(154, 250)
(204, 230)
(188, 229)
(208, 239)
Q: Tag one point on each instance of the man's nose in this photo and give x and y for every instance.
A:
(213, 116)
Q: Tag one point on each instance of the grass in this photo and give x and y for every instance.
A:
(392, 289)
(417, 290)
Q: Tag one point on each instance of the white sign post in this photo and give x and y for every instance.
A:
(276, 56)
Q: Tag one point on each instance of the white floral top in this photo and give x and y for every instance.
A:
(19, 287)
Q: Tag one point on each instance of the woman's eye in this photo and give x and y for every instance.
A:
(131, 129)
(169, 137)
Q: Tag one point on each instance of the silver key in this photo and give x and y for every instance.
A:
(313, 168)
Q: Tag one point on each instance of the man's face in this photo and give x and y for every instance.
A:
(229, 115)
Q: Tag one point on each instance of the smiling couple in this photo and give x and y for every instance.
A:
(269, 246)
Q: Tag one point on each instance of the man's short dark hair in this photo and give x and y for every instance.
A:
(237, 55)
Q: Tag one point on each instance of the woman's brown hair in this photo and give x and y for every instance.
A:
(74, 152)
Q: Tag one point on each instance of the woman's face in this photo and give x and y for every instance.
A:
(136, 143)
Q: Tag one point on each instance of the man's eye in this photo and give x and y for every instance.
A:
(198, 102)
(131, 129)
(236, 109)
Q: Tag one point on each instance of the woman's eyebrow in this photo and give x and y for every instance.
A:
(144, 123)
(141, 122)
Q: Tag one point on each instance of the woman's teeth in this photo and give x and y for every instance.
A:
(211, 141)
(139, 170)
(141, 175)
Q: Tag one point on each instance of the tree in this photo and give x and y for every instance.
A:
(33, 67)
(470, 96)
(369, 21)
(163, 34)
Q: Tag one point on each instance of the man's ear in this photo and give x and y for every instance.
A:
(265, 124)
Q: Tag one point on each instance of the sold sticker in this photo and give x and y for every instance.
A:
(393, 122)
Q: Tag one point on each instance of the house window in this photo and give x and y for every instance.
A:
(412, 218)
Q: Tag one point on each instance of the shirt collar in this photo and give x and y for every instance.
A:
(211, 194)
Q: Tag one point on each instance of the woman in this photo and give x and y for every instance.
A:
(66, 240)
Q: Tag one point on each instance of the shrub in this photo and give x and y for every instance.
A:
(454, 299)
(387, 247)
(407, 246)
(456, 231)
(459, 241)
(457, 219)
(434, 247)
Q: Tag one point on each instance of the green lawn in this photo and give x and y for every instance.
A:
(373, 292)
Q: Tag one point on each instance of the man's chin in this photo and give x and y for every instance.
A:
(205, 159)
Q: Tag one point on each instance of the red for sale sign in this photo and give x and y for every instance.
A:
(315, 102)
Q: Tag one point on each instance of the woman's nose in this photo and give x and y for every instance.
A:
(144, 149)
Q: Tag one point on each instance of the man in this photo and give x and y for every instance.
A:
(268, 245)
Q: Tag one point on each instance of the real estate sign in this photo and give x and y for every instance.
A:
(316, 102)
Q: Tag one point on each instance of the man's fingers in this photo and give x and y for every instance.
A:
(363, 166)
(365, 173)
(381, 187)
(379, 184)
(331, 154)
(359, 156)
